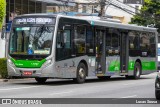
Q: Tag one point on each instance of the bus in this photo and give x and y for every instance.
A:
(44, 46)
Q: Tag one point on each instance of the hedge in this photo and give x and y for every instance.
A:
(2, 11)
(3, 68)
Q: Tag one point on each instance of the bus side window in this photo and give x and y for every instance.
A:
(90, 41)
(134, 41)
(112, 42)
(152, 48)
(63, 50)
(79, 39)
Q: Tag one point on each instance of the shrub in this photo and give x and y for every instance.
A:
(3, 68)
(2, 11)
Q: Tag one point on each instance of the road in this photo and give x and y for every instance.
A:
(116, 87)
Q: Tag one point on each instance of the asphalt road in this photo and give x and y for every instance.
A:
(116, 87)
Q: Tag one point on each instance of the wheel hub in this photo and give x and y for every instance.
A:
(81, 73)
(137, 72)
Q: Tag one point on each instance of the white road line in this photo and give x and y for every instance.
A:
(129, 96)
(58, 93)
(129, 84)
(18, 88)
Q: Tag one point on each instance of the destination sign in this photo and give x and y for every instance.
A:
(34, 21)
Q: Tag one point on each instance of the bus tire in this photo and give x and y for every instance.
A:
(157, 94)
(103, 77)
(41, 80)
(137, 70)
(81, 73)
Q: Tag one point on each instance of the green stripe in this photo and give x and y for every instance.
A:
(148, 65)
(114, 66)
(131, 65)
(28, 63)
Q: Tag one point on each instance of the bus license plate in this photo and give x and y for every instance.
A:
(27, 73)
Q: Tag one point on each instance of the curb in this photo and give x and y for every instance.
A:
(4, 80)
(7, 80)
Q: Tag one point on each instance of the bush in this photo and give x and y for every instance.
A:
(2, 11)
(3, 68)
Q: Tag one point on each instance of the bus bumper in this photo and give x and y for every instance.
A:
(30, 72)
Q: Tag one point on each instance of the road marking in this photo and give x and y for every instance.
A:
(18, 88)
(58, 93)
(129, 84)
(129, 96)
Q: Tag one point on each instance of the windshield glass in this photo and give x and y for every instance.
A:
(35, 40)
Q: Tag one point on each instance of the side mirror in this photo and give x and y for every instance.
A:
(3, 34)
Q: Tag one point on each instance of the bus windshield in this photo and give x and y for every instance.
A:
(35, 40)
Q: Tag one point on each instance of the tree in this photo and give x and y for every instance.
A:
(2, 11)
(149, 14)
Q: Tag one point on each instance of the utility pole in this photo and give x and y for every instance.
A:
(102, 8)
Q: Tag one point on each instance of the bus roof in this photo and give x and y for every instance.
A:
(95, 21)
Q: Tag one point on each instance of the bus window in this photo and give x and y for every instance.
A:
(134, 41)
(112, 42)
(63, 51)
(144, 41)
(90, 43)
(152, 48)
(79, 39)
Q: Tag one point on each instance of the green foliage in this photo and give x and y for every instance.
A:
(149, 14)
(2, 11)
(3, 68)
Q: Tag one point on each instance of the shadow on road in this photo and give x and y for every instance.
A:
(53, 82)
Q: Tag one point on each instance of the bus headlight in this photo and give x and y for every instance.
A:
(47, 63)
(10, 62)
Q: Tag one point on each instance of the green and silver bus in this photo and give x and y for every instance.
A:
(43, 46)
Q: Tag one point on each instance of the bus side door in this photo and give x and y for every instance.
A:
(124, 53)
(100, 52)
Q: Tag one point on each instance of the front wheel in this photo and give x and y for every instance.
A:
(41, 80)
(81, 73)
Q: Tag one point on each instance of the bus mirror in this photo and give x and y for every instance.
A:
(3, 34)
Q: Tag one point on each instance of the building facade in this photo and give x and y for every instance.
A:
(124, 9)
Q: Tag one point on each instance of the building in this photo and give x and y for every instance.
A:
(17, 7)
(87, 6)
(124, 9)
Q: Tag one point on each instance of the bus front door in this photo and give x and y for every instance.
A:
(124, 54)
(100, 52)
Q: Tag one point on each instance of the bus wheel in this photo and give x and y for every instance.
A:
(137, 70)
(104, 77)
(41, 80)
(81, 73)
(157, 94)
